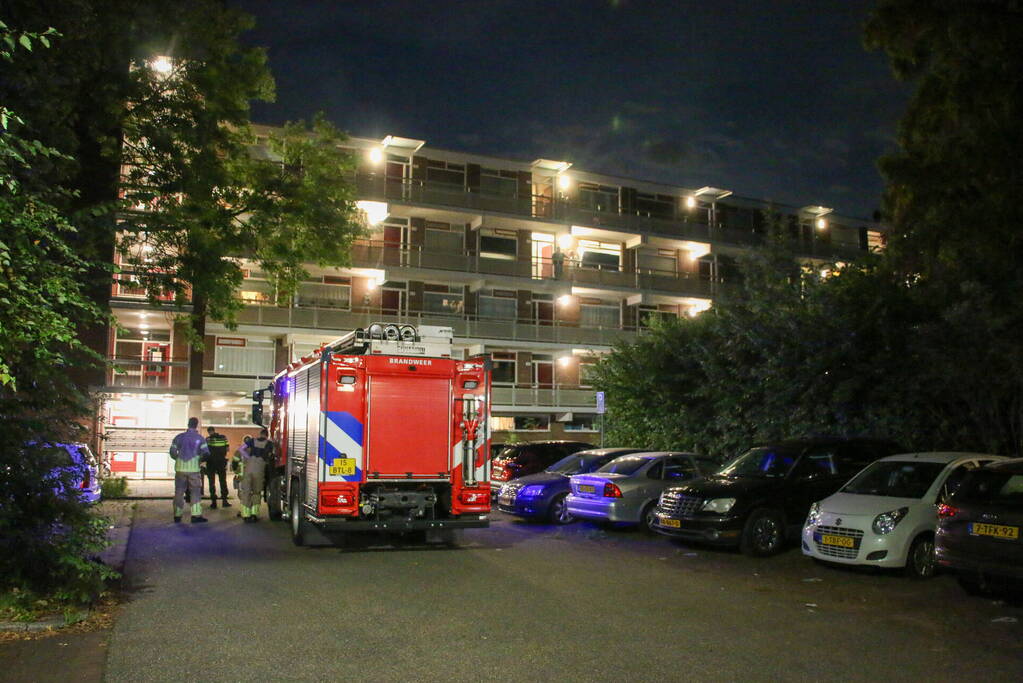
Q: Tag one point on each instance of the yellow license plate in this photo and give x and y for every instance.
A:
(995, 530)
(586, 488)
(343, 467)
(673, 523)
(840, 541)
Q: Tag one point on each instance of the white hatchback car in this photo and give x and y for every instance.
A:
(886, 515)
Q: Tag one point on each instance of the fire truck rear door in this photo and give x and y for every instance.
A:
(409, 427)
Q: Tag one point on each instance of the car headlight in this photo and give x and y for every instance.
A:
(531, 492)
(718, 505)
(886, 522)
(814, 518)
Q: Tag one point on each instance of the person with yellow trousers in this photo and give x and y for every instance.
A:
(189, 452)
(251, 469)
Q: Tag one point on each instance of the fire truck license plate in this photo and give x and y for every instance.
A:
(343, 467)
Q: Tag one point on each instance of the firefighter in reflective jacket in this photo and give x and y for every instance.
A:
(264, 448)
(189, 452)
(251, 468)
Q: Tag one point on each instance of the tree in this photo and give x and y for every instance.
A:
(952, 194)
(45, 538)
(953, 200)
(201, 195)
(793, 351)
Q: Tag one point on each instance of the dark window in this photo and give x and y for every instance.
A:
(679, 468)
(895, 478)
(955, 479)
(707, 465)
(819, 462)
(656, 472)
(992, 486)
(623, 465)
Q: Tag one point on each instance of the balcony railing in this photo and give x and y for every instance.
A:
(136, 373)
(553, 397)
(464, 326)
(681, 226)
(378, 254)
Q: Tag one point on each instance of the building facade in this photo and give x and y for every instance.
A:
(539, 264)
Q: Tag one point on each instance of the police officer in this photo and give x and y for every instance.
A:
(250, 467)
(217, 465)
(189, 451)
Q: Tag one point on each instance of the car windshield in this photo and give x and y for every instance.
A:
(623, 465)
(570, 464)
(895, 478)
(759, 462)
(991, 486)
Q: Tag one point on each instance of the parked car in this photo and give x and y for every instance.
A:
(78, 466)
(518, 460)
(761, 497)
(980, 526)
(887, 514)
(543, 494)
(626, 489)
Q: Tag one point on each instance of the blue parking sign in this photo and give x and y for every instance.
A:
(600, 403)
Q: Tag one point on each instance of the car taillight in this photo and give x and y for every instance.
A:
(612, 491)
(945, 511)
(474, 497)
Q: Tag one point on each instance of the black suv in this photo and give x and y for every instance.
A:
(758, 498)
(518, 460)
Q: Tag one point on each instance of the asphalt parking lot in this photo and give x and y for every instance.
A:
(521, 601)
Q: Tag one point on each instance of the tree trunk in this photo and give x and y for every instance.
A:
(198, 344)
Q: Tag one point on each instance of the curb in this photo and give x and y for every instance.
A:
(42, 625)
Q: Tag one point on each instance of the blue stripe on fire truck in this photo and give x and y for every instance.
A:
(343, 439)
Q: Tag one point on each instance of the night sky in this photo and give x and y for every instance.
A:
(773, 100)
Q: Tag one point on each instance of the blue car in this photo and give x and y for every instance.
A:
(542, 495)
(80, 467)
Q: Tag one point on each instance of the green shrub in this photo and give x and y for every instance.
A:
(114, 487)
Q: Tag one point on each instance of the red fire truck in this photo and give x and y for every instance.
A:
(380, 430)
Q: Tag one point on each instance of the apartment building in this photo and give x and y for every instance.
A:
(540, 264)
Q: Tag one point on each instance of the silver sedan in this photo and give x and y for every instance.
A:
(627, 488)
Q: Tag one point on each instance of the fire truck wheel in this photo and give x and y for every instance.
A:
(298, 523)
(274, 502)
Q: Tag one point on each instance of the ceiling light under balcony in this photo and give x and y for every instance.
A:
(565, 300)
(697, 307)
(564, 182)
(375, 212)
(376, 155)
(690, 202)
(219, 403)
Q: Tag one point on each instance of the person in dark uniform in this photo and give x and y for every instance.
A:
(216, 465)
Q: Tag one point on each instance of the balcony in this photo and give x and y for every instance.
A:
(417, 192)
(561, 397)
(377, 254)
(466, 327)
(135, 373)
